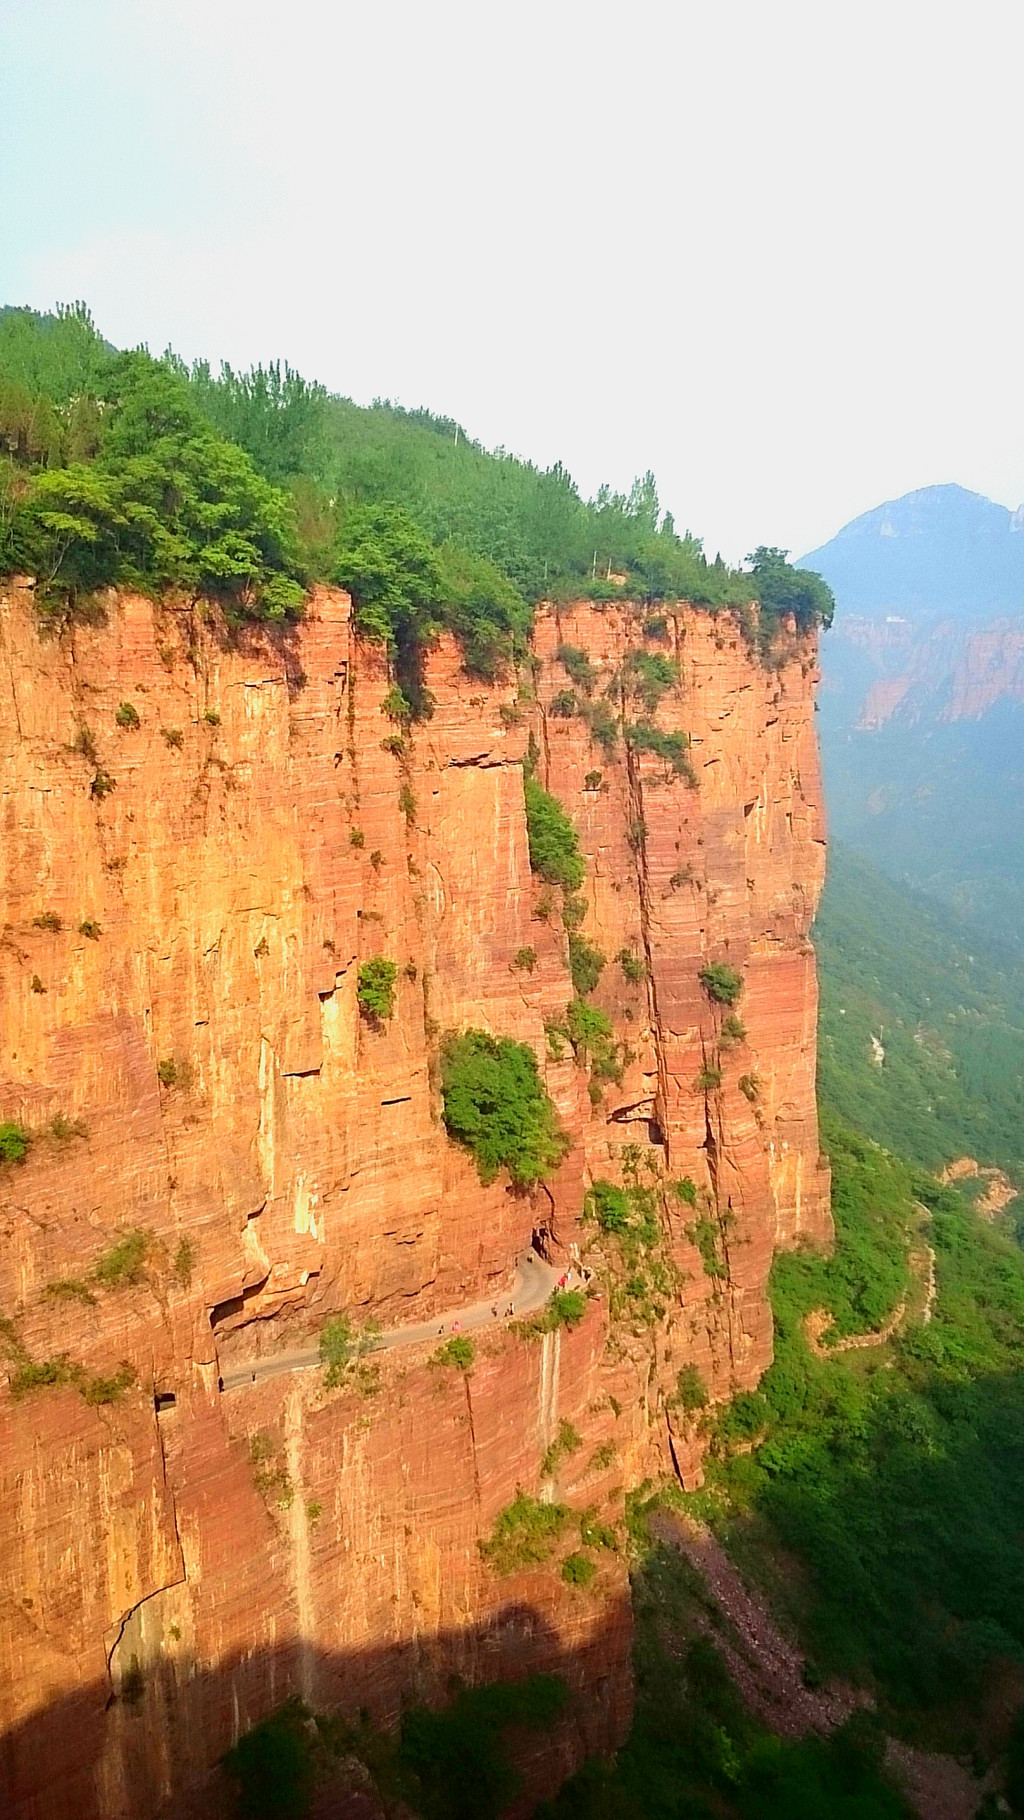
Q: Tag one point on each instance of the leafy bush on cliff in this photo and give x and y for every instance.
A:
(643, 736)
(691, 1391)
(648, 675)
(721, 982)
(496, 1104)
(575, 660)
(375, 989)
(30, 1375)
(14, 1142)
(121, 1265)
(342, 1345)
(554, 848)
(586, 964)
(563, 1308)
(577, 1569)
(592, 1035)
(524, 1534)
(639, 1271)
(457, 1353)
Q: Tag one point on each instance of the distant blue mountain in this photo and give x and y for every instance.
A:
(922, 704)
(941, 549)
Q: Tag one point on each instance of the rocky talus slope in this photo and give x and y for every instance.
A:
(224, 1154)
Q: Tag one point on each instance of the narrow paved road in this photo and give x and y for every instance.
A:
(533, 1283)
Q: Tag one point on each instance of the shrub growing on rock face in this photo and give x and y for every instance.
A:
(337, 1347)
(592, 1036)
(375, 989)
(495, 1103)
(691, 1392)
(121, 1265)
(643, 736)
(586, 964)
(14, 1142)
(633, 968)
(524, 1534)
(554, 849)
(457, 1353)
(577, 1570)
(721, 982)
(575, 660)
(604, 728)
(609, 1206)
(647, 674)
(563, 1308)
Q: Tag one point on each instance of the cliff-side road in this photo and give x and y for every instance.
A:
(532, 1285)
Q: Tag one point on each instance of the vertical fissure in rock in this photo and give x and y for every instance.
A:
(298, 1520)
(467, 1388)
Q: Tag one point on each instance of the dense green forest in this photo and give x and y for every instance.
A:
(947, 1009)
(115, 467)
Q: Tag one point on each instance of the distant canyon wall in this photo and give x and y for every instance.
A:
(918, 668)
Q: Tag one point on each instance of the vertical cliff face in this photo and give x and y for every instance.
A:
(224, 1153)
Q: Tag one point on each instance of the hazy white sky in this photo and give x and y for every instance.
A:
(770, 248)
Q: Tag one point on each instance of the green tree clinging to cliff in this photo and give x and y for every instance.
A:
(496, 1104)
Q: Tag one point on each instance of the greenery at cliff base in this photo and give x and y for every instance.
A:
(452, 1763)
(896, 1474)
(694, 1751)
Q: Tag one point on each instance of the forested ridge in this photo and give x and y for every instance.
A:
(246, 487)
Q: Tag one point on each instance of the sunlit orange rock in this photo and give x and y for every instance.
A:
(219, 873)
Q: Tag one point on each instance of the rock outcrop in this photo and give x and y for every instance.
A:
(224, 1154)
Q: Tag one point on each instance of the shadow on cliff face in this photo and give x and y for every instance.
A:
(154, 1749)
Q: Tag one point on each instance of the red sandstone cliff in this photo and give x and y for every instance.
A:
(291, 1162)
